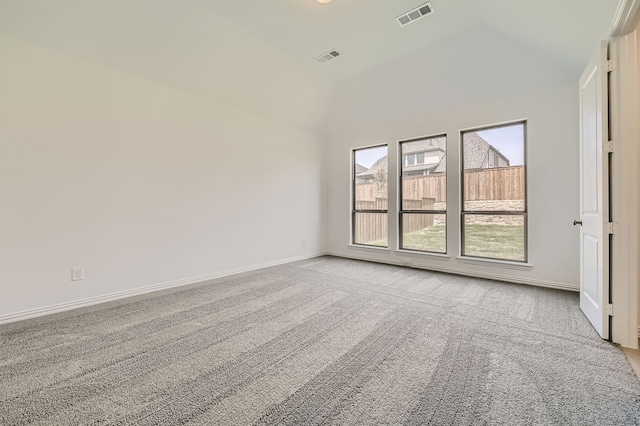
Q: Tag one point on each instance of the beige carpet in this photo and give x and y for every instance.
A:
(323, 341)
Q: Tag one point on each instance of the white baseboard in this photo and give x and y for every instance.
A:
(67, 306)
(476, 274)
(61, 307)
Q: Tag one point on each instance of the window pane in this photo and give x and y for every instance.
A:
(370, 171)
(494, 236)
(370, 193)
(424, 232)
(370, 229)
(424, 185)
(494, 170)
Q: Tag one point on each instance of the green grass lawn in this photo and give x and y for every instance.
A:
(495, 241)
(431, 238)
(492, 241)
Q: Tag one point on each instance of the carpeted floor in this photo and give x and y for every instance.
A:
(323, 341)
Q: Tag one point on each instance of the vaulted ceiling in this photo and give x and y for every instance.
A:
(259, 54)
(366, 34)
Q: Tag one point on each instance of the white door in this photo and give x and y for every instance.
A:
(594, 193)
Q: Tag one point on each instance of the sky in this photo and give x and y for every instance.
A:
(508, 140)
(366, 157)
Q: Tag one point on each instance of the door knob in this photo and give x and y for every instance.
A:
(577, 222)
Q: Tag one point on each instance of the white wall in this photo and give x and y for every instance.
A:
(138, 183)
(552, 184)
(474, 80)
(184, 45)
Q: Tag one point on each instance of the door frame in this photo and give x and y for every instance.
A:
(624, 107)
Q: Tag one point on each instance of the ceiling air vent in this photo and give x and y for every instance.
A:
(415, 14)
(327, 56)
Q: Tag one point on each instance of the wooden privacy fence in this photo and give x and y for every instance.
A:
(416, 222)
(377, 204)
(504, 183)
(373, 226)
(416, 187)
(370, 227)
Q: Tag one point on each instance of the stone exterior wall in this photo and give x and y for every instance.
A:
(487, 205)
(493, 205)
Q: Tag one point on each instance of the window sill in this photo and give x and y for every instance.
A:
(438, 256)
(359, 246)
(494, 262)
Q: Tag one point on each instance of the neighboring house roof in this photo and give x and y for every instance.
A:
(475, 154)
(360, 168)
(476, 150)
(377, 167)
(442, 165)
(425, 145)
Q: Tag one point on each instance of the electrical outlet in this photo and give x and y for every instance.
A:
(77, 274)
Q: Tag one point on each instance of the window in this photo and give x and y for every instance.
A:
(369, 218)
(411, 159)
(423, 191)
(494, 203)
